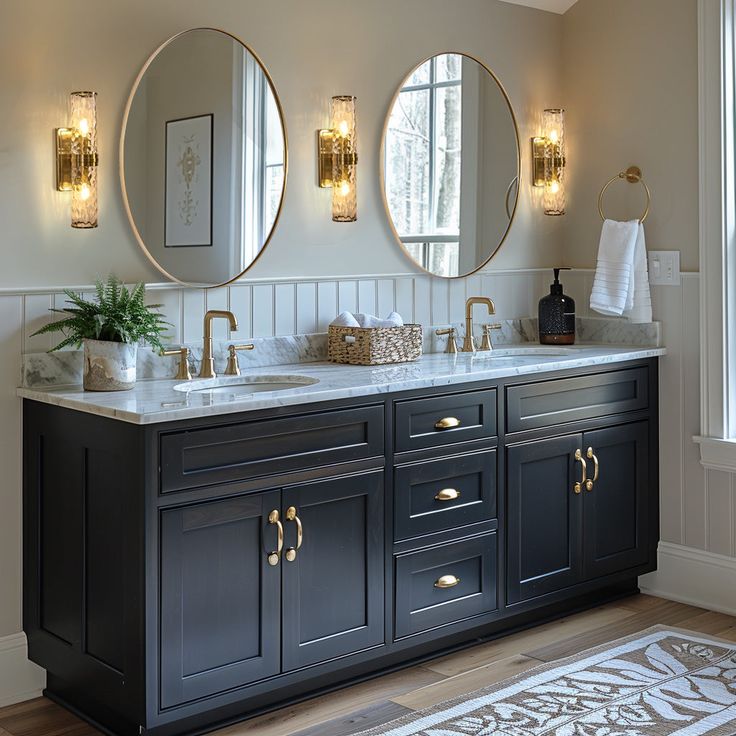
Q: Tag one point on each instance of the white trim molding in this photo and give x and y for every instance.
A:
(717, 124)
(693, 576)
(20, 679)
(717, 454)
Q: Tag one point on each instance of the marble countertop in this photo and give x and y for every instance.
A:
(153, 401)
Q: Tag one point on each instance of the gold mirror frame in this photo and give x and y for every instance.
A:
(382, 155)
(121, 156)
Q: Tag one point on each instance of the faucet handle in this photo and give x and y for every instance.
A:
(486, 343)
(451, 342)
(183, 373)
(233, 367)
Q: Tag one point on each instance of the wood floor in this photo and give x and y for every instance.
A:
(378, 701)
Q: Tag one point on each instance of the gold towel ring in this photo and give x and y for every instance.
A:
(633, 176)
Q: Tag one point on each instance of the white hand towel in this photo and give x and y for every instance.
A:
(345, 319)
(614, 271)
(640, 308)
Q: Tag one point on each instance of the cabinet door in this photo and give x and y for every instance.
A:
(544, 517)
(616, 509)
(333, 589)
(220, 599)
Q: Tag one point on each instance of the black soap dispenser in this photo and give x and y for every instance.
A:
(557, 315)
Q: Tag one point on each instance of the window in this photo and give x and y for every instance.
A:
(423, 161)
(717, 61)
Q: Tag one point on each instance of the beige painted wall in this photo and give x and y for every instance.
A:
(371, 49)
(631, 92)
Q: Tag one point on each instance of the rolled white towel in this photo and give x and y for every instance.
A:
(395, 319)
(345, 319)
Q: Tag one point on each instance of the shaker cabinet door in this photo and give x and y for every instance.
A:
(615, 529)
(220, 598)
(333, 584)
(544, 542)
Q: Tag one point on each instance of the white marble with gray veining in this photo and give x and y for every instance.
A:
(65, 367)
(159, 401)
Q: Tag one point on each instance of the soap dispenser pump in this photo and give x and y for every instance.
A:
(557, 315)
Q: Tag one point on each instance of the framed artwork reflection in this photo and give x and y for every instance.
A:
(188, 182)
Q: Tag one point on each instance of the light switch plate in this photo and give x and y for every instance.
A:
(664, 267)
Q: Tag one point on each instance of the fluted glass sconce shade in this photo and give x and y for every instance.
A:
(338, 158)
(549, 161)
(76, 159)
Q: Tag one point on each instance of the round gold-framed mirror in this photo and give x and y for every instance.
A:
(203, 158)
(450, 164)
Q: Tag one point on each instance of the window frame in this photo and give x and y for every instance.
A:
(717, 210)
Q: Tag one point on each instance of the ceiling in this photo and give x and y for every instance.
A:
(554, 6)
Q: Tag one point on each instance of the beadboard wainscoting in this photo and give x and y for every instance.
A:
(698, 520)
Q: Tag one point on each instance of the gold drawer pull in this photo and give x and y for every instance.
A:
(447, 581)
(447, 494)
(591, 456)
(447, 423)
(275, 556)
(578, 487)
(291, 516)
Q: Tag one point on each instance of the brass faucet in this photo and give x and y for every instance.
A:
(468, 341)
(207, 369)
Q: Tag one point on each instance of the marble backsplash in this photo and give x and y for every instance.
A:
(64, 368)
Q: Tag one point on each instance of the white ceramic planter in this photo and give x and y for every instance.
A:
(109, 366)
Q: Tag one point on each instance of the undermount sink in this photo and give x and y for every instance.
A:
(531, 351)
(246, 384)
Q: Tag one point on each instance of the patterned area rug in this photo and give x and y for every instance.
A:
(661, 682)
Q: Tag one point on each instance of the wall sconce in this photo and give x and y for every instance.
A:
(548, 161)
(76, 159)
(338, 159)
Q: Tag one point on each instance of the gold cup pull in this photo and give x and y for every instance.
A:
(275, 556)
(447, 581)
(591, 456)
(291, 516)
(447, 423)
(578, 487)
(447, 494)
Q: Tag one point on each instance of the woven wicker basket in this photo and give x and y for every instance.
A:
(374, 345)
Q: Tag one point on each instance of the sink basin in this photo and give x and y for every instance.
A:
(531, 351)
(244, 385)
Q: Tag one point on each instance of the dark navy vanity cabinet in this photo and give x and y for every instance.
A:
(183, 575)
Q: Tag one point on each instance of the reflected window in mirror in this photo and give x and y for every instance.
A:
(450, 154)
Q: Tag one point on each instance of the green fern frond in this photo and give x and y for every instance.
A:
(117, 315)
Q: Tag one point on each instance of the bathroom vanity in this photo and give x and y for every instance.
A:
(193, 558)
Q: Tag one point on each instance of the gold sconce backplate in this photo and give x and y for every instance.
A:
(538, 146)
(64, 159)
(327, 143)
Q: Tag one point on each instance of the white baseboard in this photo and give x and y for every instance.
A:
(693, 576)
(20, 679)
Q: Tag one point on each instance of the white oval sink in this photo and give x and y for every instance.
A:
(244, 385)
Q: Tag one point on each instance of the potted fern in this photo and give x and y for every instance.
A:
(109, 329)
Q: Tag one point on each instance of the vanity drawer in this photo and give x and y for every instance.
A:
(443, 420)
(563, 400)
(442, 494)
(224, 454)
(467, 566)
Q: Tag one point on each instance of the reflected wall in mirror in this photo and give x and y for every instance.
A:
(203, 158)
(450, 164)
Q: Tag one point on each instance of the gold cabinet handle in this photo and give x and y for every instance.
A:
(578, 487)
(447, 423)
(291, 516)
(589, 483)
(275, 556)
(447, 494)
(447, 581)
